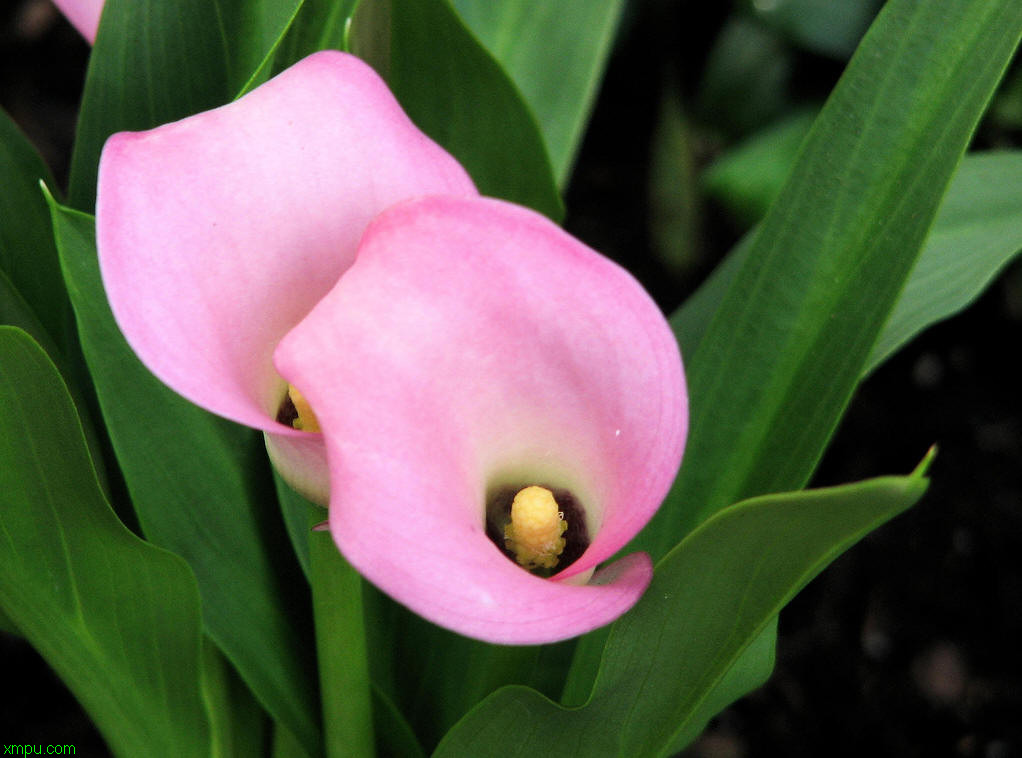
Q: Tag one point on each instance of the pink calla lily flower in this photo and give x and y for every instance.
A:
(218, 233)
(495, 399)
(475, 347)
(83, 15)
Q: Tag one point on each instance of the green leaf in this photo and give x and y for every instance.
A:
(14, 311)
(343, 655)
(555, 52)
(434, 676)
(254, 31)
(28, 257)
(747, 178)
(202, 488)
(977, 232)
(6, 625)
(457, 94)
(155, 62)
(822, 26)
(394, 737)
(341, 650)
(237, 722)
(746, 78)
(673, 197)
(747, 670)
(368, 34)
(712, 597)
(286, 745)
(117, 618)
(791, 337)
(319, 25)
(32, 294)
(750, 669)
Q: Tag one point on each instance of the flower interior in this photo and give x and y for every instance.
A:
(295, 411)
(542, 528)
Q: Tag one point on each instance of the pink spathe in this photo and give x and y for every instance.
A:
(451, 346)
(218, 233)
(474, 345)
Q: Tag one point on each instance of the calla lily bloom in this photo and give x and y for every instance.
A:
(474, 349)
(218, 233)
(83, 15)
(491, 409)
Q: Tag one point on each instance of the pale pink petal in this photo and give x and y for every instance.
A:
(301, 460)
(475, 345)
(83, 15)
(218, 233)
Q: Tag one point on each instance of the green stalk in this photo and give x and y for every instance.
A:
(341, 650)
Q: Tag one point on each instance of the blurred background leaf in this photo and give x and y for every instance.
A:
(748, 177)
(746, 77)
(674, 199)
(977, 232)
(823, 26)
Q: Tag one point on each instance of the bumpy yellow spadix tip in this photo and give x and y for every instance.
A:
(534, 534)
(305, 420)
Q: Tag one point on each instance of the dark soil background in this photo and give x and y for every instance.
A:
(906, 645)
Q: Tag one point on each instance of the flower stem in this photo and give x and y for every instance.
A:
(341, 650)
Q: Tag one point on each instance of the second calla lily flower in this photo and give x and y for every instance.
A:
(497, 409)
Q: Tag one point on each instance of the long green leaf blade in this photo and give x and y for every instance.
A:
(555, 52)
(319, 25)
(117, 618)
(977, 233)
(456, 93)
(772, 361)
(28, 257)
(202, 488)
(791, 338)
